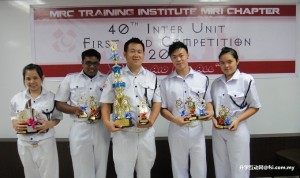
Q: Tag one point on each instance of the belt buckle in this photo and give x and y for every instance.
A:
(91, 122)
(35, 144)
(193, 123)
(138, 130)
(190, 124)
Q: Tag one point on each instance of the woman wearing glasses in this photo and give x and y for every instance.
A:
(33, 116)
(235, 99)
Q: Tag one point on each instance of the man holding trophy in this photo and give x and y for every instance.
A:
(79, 95)
(185, 103)
(133, 94)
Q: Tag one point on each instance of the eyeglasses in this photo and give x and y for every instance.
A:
(88, 63)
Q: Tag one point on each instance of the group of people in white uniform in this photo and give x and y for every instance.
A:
(181, 97)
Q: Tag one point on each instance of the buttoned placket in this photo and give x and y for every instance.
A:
(136, 92)
(185, 93)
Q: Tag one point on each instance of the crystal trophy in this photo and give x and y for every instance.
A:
(224, 118)
(121, 105)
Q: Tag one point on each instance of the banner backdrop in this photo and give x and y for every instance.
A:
(263, 35)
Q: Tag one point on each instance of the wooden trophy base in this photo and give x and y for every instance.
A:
(144, 121)
(222, 127)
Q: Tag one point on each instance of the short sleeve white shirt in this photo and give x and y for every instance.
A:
(236, 88)
(78, 89)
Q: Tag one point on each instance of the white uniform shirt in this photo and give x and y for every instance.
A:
(134, 89)
(77, 89)
(44, 102)
(236, 87)
(174, 88)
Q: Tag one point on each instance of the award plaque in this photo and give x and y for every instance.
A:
(121, 106)
(224, 118)
(143, 113)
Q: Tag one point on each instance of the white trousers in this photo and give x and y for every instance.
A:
(187, 142)
(89, 146)
(231, 151)
(39, 159)
(134, 151)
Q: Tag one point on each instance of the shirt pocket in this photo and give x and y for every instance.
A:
(237, 96)
(148, 88)
(78, 92)
(197, 93)
(47, 109)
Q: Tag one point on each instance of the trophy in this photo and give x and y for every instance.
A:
(143, 113)
(121, 105)
(200, 104)
(93, 117)
(192, 109)
(83, 106)
(180, 107)
(30, 118)
(224, 118)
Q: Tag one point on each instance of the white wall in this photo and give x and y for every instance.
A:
(280, 96)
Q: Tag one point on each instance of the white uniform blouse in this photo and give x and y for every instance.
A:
(236, 87)
(44, 102)
(135, 89)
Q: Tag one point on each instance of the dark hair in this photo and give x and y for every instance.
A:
(133, 40)
(90, 53)
(229, 50)
(35, 67)
(176, 45)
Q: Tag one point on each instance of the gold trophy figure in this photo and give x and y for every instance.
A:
(94, 112)
(121, 115)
